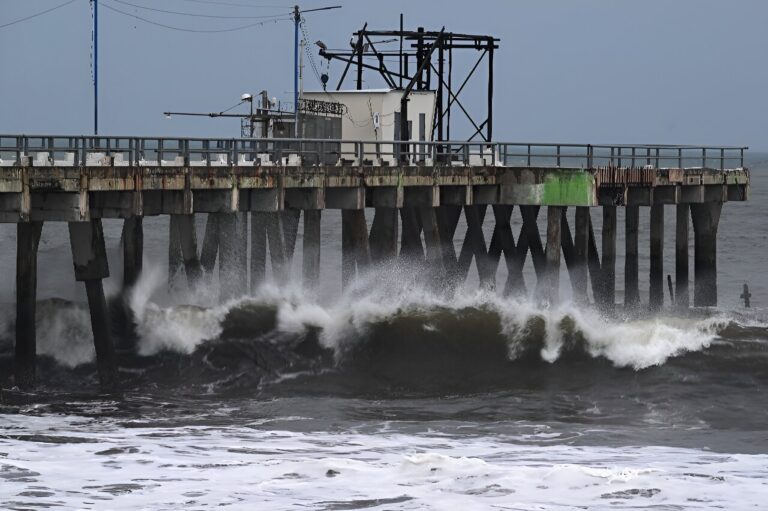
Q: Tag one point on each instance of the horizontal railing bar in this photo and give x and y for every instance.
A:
(136, 150)
(372, 142)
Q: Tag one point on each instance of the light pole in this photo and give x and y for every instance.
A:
(296, 21)
(95, 67)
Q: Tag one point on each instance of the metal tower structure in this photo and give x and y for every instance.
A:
(425, 61)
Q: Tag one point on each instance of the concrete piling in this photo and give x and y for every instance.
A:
(242, 248)
(580, 253)
(681, 256)
(291, 219)
(277, 251)
(106, 360)
(90, 261)
(631, 289)
(175, 257)
(183, 230)
(566, 243)
(502, 240)
(533, 239)
(433, 244)
(384, 234)
(311, 248)
(607, 295)
(133, 250)
(232, 274)
(656, 275)
(474, 246)
(355, 252)
(505, 244)
(593, 263)
(411, 248)
(210, 248)
(706, 217)
(258, 249)
(552, 282)
(447, 222)
(27, 243)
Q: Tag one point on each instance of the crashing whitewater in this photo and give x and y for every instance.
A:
(384, 307)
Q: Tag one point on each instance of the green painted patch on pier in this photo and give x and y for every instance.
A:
(549, 187)
(568, 188)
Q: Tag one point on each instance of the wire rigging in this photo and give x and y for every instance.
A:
(312, 62)
(308, 51)
(196, 30)
(31, 16)
(195, 15)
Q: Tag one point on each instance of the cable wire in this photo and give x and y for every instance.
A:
(232, 107)
(196, 30)
(31, 16)
(198, 15)
(235, 4)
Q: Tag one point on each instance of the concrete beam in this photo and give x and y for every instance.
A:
(385, 197)
(485, 194)
(61, 207)
(692, 194)
(112, 204)
(638, 196)
(305, 198)
(456, 195)
(263, 200)
(421, 196)
(345, 198)
(666, 194)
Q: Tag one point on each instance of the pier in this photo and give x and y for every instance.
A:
(255, 191)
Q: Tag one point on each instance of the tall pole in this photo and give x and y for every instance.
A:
(401, 50)
(296, 20)
(95, 67)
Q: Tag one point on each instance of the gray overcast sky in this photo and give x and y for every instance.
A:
(665, 71)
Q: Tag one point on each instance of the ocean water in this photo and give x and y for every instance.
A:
(392, 395)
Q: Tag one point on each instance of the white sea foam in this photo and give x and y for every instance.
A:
(64, 332)
(181, 328)
(244, 467)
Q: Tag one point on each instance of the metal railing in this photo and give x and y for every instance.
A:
(56, 150)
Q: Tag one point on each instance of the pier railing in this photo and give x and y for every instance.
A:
(57, 150)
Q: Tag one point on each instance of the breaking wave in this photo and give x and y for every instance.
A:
(385, 327)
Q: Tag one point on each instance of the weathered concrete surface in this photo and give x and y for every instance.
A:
(82, 193)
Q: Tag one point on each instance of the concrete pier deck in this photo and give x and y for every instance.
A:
(90, 177)
(254, 193)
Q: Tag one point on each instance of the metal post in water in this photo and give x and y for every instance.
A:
(746, 295)
(669, 286)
